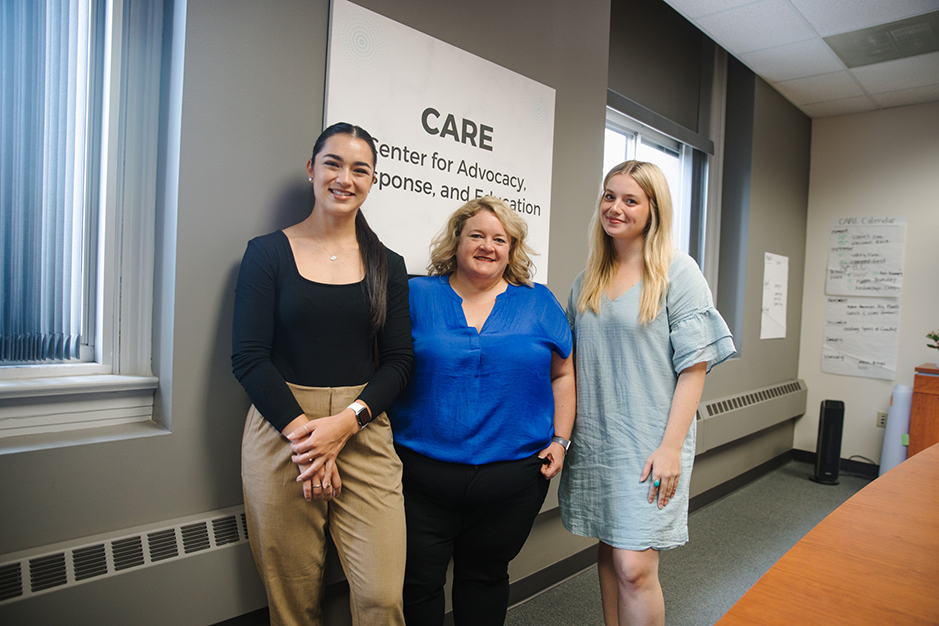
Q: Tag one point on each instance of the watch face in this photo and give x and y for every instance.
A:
(361, 414)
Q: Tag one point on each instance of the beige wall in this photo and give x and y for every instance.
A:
(880, 163)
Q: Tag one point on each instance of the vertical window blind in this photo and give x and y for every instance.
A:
(44, 88)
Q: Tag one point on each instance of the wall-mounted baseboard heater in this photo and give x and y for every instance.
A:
(28, 573)
(723, 420)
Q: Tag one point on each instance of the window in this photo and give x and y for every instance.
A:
(684, 167)
(80, 134)
(49, 51)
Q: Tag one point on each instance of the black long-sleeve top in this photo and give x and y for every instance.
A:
(288, 328)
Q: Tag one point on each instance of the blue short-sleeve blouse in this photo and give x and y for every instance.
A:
(480, 397)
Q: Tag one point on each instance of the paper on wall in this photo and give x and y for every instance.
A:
(861, 337)
(775, 293)
(865, 256)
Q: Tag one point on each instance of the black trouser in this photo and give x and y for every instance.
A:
(480, 515)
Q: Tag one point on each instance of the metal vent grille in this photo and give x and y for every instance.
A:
(93, 558)
(11, 581)
(244, 524)
(90, 562)
(730, 404)
(47, 572)
(127, 553)
(163, 544)
(195, 537)
(225, 530)
(885, 42)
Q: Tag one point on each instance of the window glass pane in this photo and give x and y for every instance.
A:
(668, 160)
(617, 147)
(671, 163)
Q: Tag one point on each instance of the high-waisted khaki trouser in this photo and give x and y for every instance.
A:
(366, 522)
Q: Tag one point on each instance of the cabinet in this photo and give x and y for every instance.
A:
(924, 412)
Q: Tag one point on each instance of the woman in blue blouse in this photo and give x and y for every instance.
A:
(486, 418)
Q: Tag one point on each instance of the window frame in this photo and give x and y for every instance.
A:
(117, 388)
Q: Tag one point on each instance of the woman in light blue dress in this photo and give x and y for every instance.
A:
(646, 333)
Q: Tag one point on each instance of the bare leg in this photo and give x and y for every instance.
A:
(640, 594)
(609, 586)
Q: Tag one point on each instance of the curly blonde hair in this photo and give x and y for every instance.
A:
(657, 249)
(443, 248)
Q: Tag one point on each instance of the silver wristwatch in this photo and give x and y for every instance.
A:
(361, 414)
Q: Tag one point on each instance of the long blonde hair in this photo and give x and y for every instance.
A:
(657, 247)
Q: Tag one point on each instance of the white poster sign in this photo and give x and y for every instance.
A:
(861, 337)
(450, 127)
(775, 294)
(865, 256)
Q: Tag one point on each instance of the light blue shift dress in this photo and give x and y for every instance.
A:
(626, 377)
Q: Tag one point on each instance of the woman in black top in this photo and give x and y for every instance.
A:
(313, 304)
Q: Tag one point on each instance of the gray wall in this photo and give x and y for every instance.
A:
(778, 208)
(657, 58)
(252, 107)
(778, 199)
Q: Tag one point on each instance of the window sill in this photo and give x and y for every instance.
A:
(38, 413)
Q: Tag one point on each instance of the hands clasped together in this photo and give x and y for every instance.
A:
(315, 446)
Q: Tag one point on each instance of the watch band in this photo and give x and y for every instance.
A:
(565, 443)
(361, 414)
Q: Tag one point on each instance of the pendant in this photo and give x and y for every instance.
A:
(333, 257)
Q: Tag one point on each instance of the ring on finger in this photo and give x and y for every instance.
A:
(309, 458)
(317, 486)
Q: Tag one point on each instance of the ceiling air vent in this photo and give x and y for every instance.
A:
(897, 40)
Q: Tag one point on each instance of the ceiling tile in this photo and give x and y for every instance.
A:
(902, 97)
(781, 41)
(697, 8)
(795, 60)
(756, 26)
(905, 73)
(834, 86)
(831, 17)
(844, 106)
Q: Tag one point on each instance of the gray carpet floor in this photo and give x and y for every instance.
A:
(732, 542)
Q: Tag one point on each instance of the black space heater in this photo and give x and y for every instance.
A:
(828, 446)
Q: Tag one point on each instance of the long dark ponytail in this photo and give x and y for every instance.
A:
(371, 249)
